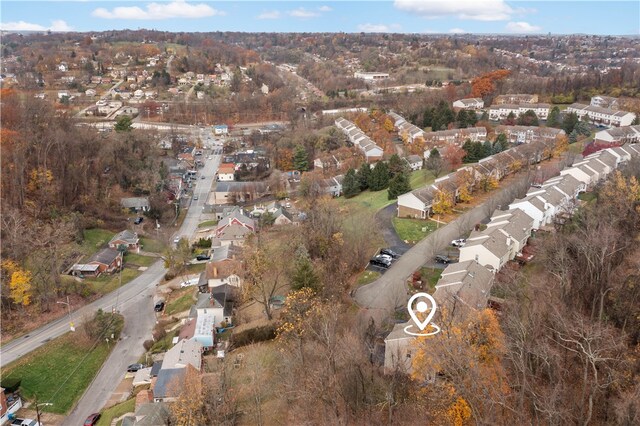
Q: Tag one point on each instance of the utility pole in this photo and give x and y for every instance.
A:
(71, 327)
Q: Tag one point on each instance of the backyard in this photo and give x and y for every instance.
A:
(118, 410)
(413, 230)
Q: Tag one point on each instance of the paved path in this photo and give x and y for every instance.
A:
(388, 292)
(384, 219)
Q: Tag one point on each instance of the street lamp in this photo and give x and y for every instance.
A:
(38, 411)
(71, 327)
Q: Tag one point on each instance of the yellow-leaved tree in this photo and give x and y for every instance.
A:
(19, 281)
(442, 203)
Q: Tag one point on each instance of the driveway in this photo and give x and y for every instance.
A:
(384, 219)
(389, 292)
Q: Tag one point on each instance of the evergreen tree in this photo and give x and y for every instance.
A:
(434, 163)
(484, 116)
(379, 178)
(569, 122)
(398, 185)
(350, 185)
(300, 159)
(553, 119)
(462, 118)
(511, 119)
(528, 118)
(396, 165)
(500, 144)
(636, 120)
(582, 127)
(124, 124)
(573, 136)
(363, 176)
(303, 273)
(427, 117)
(487, 149)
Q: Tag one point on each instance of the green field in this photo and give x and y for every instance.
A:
(151, 245)
(139, 260)
(180, 304)
(208, 223)
(107, 283)
(95, 239)
(58, 372)
(112, 413)
(411, 229)
(430, 276)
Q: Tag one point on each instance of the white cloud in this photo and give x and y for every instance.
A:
(57, 25)
(325, 9)
(274, 14)
(155, 11)
(378, 28)
(522, 27)
(457, 31)
(303, 13)
(486, 10)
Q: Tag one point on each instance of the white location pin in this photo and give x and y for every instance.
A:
(421, 307)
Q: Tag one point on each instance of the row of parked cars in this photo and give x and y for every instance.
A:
(384, 258)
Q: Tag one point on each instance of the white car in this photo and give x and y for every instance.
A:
(176, 240)
(189, 283)
(459, 243)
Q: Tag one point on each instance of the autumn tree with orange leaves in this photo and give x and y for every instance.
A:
(485, 84)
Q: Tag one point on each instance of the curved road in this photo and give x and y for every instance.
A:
(134, 301)
(389, 292)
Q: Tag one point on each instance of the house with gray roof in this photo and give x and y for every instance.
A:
(126, 238)
(491, 248)
(108, 260)
(136, 204)
(464, 284)
(149, 414)
(169, 384)
(185, 352)
(399, 350)
(515, 223)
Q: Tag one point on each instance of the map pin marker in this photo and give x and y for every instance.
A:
(421, 307)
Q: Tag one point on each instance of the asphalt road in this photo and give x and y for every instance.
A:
(134, 300)
(389, 292)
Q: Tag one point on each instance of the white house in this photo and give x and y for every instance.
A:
(416, 204)
(465, 284)
(604, 116)
(414, 162)
(469, 103)
(502, 111)
(625, 134)
(491, 248)
(371, 76)
(604, 102)
(516, 223)
(220, 129)
(399, 350)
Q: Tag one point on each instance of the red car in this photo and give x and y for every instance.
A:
(92, 419)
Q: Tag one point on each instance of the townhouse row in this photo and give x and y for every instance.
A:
(605, 116)
(502, 111)
(466, 286)
(369, 148)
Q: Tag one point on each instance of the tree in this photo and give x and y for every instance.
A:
(573, 136)
(379, 178)
(500, 144)
(528, 118)
(363, 175)
(510, 120)
(582, 128)
(303, 275)
(350, 185)
(189, 408)
(452, 156)
(553, 119)
(442, 203)
(300, 159)
(124, 124)
(434, 163)
(264, 273)
(569, 122)
(488, 182)
(399, 185)
(397, 165)
(19, 282)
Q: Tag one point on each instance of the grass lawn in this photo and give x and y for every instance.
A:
(58, 372)
(151, 245)
(195, 269)
(367, 277)
(139, 260)
(208, 223)
(108, 283)
(421, 178)
(94, 239)
(587, 196)
(430, 277)
(411, 229)
(111, 413)
(180, 304)
(163, 344)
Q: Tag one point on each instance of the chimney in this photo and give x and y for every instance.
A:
(215, 272)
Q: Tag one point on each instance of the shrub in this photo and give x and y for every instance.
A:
(148, 344)
(253, 335)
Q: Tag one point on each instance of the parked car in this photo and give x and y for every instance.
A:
(203, 257)
(195, 198)
(176, 240)
(441, 258)
(138, 220)
(92, 419)
(158, 307)
(381, 261)
(24, 422)
(386, 256)
(134, 367)
(189, 283)
(202, 177)
(459, 243)
(389, 252)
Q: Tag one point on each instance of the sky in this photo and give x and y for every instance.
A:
(602, 17)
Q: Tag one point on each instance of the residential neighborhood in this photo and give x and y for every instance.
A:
(295, 214)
